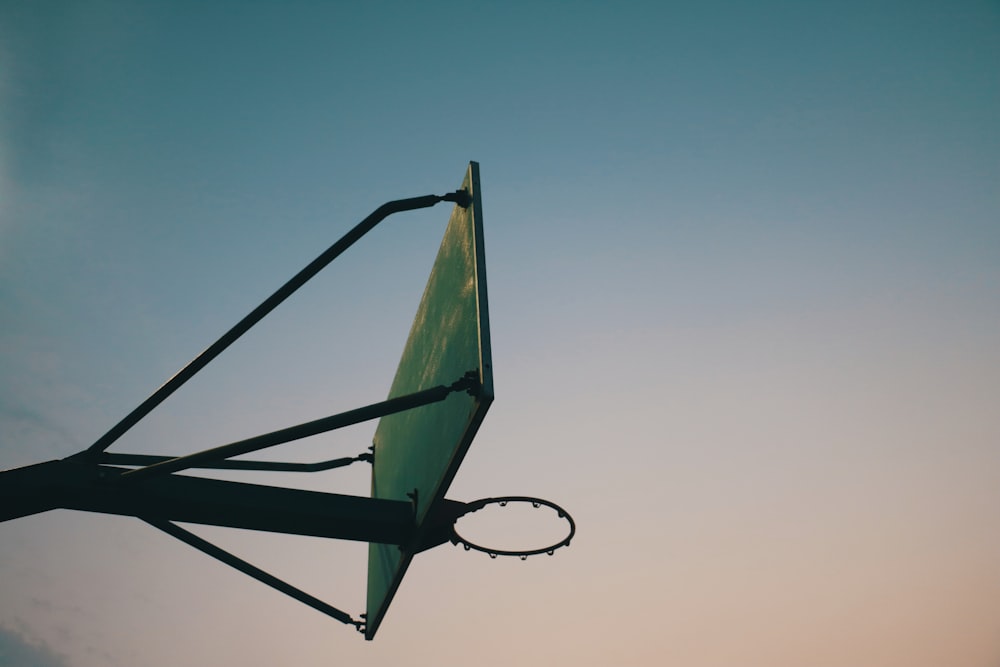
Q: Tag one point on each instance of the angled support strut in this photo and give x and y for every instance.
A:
(460, 197)
(468, 382)
(260, 575)
(238, 464)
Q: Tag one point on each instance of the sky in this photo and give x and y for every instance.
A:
(744, 281)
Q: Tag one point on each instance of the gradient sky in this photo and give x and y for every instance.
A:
(744, 264)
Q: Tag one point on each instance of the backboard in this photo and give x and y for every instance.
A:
(418, 452)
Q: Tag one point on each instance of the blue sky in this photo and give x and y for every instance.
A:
(744, 266)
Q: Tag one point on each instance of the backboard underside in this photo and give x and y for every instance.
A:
(418, 452)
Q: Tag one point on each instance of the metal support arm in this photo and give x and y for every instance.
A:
(260, 575)
(468, 382)
(69, 484)
(238, 464)
(254, 507)
(461, 197)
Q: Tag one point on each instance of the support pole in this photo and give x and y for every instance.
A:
(214, 502)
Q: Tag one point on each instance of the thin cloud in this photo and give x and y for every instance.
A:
(26, 430)
(16, 650)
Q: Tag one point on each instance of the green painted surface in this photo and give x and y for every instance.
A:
(421, 449)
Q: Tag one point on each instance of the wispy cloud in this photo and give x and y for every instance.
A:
(24, 431)
(17, 650)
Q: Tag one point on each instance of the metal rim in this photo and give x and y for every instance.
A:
(523, 554)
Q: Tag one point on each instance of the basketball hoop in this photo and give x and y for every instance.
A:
(523, 554)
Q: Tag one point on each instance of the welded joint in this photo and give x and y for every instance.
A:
(459, 197)
(469, 383)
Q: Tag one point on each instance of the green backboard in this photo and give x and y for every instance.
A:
(417, 452)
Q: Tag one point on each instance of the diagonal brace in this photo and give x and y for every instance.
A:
(469, 382)
(260, 575)
(114, 458)
(460, 197)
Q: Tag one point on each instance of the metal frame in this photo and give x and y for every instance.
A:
(154, 492)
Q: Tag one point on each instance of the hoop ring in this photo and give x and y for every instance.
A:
(477, 505)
